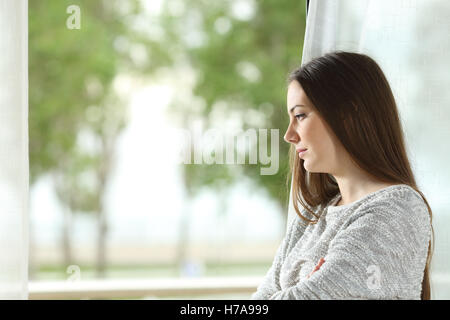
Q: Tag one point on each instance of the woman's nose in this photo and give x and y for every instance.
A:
(291, 136)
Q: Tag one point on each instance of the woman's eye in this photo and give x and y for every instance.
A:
(299, 115)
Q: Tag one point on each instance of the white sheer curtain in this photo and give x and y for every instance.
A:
(410, 40)
(14, 149)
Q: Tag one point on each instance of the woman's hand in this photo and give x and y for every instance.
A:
(317, 267)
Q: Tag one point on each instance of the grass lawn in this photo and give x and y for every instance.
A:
(58, 272)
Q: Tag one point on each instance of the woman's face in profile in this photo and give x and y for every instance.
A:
(307, 130)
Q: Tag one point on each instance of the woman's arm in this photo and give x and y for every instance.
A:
(380, 254)
(271, 281)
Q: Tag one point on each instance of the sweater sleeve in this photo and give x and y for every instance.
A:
(271, 281)
(380, 253)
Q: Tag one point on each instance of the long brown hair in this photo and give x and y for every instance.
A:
(352, 95)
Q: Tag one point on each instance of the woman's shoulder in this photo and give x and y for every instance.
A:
(400, 202)
(396, 195)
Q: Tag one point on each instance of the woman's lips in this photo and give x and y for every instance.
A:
(301, 152)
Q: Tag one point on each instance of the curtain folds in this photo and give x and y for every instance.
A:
(14, 149)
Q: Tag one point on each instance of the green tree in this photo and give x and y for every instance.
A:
(241, 53)
(71, 73)
(243, 61)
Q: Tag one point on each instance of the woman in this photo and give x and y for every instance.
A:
(367, 231)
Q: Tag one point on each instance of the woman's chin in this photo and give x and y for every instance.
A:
(308, 167)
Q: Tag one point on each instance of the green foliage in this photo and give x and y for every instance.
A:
(244, 67)
(71, 72)
(60, 63)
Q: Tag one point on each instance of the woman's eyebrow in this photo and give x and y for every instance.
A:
(297, 105)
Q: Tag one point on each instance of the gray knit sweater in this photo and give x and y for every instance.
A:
(374, 248)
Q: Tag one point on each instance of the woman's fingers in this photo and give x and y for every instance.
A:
(317, 267)
(321, 261)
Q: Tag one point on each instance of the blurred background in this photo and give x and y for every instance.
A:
(107, 101)
(109, 196)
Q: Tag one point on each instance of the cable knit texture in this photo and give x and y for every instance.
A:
(374, 248)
